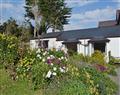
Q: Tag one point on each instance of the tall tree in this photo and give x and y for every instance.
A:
(10, 27)
(51, 13)
(23, 31)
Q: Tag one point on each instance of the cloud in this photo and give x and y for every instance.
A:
(79, 3)
(119, 4)
(73, 27)
(95, 15)
(12, 9)
(91, 18)
(6, 5)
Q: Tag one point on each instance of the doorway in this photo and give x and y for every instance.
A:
(100, 47)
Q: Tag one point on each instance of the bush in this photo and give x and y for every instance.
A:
(8, 50)
(42, 66)
(98, 57)
(39, 71)
(114, 60)
(97, 81)
(25, 64)
(111, 70)
(89, 81)
(67, 86)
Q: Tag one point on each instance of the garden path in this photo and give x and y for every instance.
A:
(116, 79)
(118, 82)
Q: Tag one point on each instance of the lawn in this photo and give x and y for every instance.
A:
(11, 87)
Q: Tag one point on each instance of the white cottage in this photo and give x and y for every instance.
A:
(105, 38)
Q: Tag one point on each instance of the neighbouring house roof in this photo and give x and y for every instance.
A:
(103, 32)
(107, 23)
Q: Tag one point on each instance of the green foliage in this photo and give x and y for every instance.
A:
(27, 60)
(113, 60)
(57, 54)
(67, 86)
(10, 87)
(8, 50)
(73, 87)
(97, 81)
(84, 80)
(98, 57)
(54, 17)
(39, 71)
(35, 65)
(51, 71)
(111, 70)
(11, 27)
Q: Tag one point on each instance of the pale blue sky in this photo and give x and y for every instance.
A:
(85, 13)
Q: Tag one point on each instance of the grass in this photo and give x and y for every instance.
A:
(10, 87)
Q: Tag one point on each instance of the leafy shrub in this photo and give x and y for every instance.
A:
(25, 64)
(111, 70)
(84, 80)
(41, 65)
(8, 50)
(113, 60)
(98, 57)
(97, 82)
(67, 86)
(38, 75)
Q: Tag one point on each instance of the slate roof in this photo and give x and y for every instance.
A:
(99, 40)
(103, 32)
(51, 35)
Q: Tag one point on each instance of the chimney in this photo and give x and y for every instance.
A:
(118, 17)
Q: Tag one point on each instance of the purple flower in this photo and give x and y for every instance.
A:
(101, 67)
(49, 61)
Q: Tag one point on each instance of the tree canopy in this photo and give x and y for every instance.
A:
(52, 13)
(11, 27)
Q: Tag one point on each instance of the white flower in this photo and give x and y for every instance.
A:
(62, 57)
(62, 70)
(38, 55)
(49, 74)
(59, 58)
(43, 60)
(54, 69)
(51, 64)
(44, 53)
(48, 57)
(52, 56)
(38, 51)
(54, 73)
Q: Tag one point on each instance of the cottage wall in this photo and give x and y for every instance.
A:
(114, 47)
(84, 47)
(52, 43)
(34, 43)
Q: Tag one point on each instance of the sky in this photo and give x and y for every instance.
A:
(85, 13)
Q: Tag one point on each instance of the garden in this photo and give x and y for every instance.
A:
(24, 71)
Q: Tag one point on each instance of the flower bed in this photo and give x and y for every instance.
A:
(50, 70)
